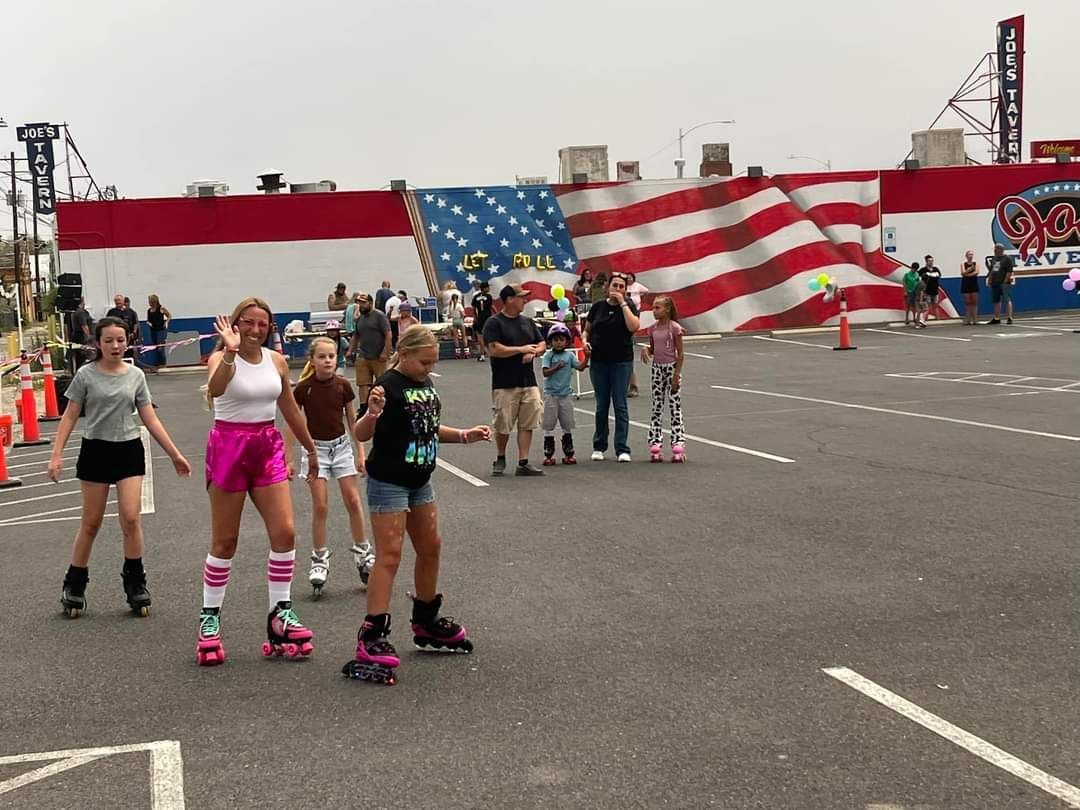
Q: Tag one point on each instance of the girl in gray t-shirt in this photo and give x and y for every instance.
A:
(110, 393)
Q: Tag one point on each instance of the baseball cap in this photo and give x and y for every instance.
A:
(333, 325)
(405, 305)
(512, 290)
(484, 285)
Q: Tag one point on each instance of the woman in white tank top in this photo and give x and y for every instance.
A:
(245, 456)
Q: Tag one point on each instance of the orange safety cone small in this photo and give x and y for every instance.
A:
(6, 481)
(845, 330)
(31, 433)
(52, 405)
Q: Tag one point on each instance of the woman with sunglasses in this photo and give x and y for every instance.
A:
(245, 457)
(609, 345)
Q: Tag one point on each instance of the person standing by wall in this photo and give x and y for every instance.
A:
(998, 279)
(370, 345)
(969, 287)
(158, 319)
(338, 299)
(382, 295)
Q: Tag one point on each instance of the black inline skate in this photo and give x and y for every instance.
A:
(376, 659)
(73, 598)
(430, 631)
(138, 597)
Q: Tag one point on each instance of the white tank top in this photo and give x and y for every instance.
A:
(252, 393)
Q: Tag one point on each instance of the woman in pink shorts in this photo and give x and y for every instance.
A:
(245, 456)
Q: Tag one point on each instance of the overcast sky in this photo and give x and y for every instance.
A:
(158, 94)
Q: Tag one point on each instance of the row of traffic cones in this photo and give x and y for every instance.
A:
(31, 432)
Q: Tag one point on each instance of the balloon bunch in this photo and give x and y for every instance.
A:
(821, 282)
(1072, 281)
(558, 292)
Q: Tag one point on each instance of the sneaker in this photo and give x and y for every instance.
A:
(992, 322)
(597, 455)
(1009, 321)
(527, 469)
(498, 466)
(624, 458)
(633, 392)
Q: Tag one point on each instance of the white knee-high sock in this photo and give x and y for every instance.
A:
(279, 574)
(215, 579)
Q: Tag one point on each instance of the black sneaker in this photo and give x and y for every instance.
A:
(527, 469)
(1009, 321)
(498, 467)
(992, 322)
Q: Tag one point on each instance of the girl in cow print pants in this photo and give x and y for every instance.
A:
(665, 350)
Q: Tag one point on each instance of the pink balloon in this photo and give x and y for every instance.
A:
(1068, 285)
(1074, 274)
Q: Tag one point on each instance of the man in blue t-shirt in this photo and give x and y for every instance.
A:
(558, 363)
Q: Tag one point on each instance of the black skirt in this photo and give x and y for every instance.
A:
(969, 284)
(103, 462)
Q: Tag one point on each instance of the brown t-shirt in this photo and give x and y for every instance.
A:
(324, 405)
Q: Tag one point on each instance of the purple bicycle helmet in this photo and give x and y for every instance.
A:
(558, 329)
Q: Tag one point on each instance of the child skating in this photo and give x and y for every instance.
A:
(111, 393)
(455, 311)
(403, 422)
(665, 350)
(245, 457)
(326, 397)
(558, 364)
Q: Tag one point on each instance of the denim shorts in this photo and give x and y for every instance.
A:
(386, 498)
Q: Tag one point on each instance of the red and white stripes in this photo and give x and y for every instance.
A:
(279, 574)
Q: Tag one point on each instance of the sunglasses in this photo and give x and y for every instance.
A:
(255, 324)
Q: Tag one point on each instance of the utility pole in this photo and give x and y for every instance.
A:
(15, 248)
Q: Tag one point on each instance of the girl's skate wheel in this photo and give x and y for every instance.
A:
(306, 649)
(291, 650)
(142, 612)
(267, 649)
(72, 613)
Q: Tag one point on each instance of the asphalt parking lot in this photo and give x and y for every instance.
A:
(859, 592)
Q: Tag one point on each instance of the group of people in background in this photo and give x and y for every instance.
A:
(81, 331)
(922, 288)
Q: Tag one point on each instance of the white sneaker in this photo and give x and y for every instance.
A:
(597, 455)
(624, 458)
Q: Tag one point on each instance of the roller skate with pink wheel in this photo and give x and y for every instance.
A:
(376, 659)
(568, 449)
(285, 635)
(208, 649)
(549, 451)
(434, 632)
(678, 454)
(656, 455)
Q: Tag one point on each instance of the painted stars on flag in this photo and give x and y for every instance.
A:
(509, 225)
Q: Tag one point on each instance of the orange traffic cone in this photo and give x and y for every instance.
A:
(580, 348)
(845, 330)
(52, 405)
(31, 434)
(5, 439)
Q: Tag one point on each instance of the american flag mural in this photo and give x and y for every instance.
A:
(734, 253)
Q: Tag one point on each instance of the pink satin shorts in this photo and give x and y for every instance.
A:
(243, 455)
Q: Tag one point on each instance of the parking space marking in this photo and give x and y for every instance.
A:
(958, 736)
(933, 417)
(460, 473)
(688, 354)
(792, 342)
(702, 440)
(37, 463)
(46, 484)
(18, 520)
(919, 335)
(166, 768)
(1068, 386)
(43, 497)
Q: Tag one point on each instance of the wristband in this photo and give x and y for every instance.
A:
(226, 362)
(231, 351)
(464, 436)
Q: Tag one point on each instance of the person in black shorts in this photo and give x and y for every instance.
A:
(969, 287)
(110, 393)
(931, 277)
(481, 304)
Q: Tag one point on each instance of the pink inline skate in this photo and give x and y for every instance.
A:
(376, 659)
(440, 633)
(655, 454)
(678, 454)
(285, 635)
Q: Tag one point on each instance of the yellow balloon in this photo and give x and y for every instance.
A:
(558, 291)
(823, 279)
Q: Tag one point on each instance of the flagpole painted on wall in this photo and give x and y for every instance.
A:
(427, 262)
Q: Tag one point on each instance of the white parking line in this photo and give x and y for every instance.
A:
(16, 456)
(43, 497)
(954, 734)
(688, 354)
(792, 342)
(46, 484)
(702, 440)
(37, 463)
(915, 335)
(934, 417)
(460, 473)
(18, 520)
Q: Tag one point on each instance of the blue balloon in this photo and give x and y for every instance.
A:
(564, 303)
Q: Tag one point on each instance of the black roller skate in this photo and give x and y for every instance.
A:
(73, 598)
(138, 597)
(549, 451)
(430, 631)
(376, 659)
(568, 449)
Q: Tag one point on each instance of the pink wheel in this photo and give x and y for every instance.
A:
(267, 649)
(291, 650)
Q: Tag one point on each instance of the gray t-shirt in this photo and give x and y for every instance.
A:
(109, 402)
(371, 329)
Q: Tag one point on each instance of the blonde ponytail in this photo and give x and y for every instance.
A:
(414, 338)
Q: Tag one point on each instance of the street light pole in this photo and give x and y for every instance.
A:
(15, 249)
(679, 161)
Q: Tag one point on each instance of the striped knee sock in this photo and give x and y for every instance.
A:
(279, 572)
(215, 578)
